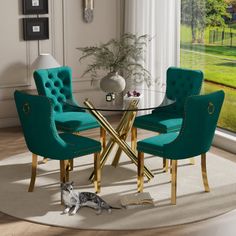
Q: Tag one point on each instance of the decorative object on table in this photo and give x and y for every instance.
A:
(112, 83)
(118, 58)
(194, 138)
(88, 6)
(35, 28)
(110, 97)
(134, 200)
(73, 201)
(131, 95)
(31, 7)
(44, 61)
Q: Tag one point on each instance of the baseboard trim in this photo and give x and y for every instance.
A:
(225, 140)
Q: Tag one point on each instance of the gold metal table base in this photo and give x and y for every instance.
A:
(118, 136)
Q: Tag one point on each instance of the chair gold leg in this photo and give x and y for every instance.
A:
(204, 172)
(71, 164)
(67, 169)
(140, 171)
(103, 137)
(104, 155)
(33, 172)
(62, 171)
(166, 164)
(192, 161)
(134, 138)
(97, 173)
(171, 166)
(174, 182)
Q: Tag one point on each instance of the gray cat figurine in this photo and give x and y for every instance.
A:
(73, 201)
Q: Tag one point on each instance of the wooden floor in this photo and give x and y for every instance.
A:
(12, 143)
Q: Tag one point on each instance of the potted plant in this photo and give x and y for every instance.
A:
(118, 57)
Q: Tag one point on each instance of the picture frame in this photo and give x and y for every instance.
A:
(35, 28)
(34, 7)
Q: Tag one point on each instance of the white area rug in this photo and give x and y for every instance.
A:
(43, 205)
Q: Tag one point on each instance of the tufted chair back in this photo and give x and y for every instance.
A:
(36, 116)
(55, 83)
(180, 84)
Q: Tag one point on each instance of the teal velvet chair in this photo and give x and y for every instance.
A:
(56, 83)
(41, 136)
(201, 114)
(180, 83)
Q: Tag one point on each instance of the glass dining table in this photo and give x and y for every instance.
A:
(147, 101)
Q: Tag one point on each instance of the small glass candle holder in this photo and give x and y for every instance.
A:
(109, 97)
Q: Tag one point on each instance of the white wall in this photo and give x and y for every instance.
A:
(67, 32)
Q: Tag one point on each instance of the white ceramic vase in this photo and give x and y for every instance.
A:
(112, 83)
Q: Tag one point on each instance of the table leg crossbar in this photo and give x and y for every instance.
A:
(118, 136)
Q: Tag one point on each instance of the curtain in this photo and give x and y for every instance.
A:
(160, 20)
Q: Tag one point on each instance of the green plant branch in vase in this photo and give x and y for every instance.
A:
(118, 57)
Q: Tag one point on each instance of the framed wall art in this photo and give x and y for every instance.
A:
(35, 28)
(35, 7)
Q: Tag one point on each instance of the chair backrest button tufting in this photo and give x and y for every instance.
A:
(56, 83)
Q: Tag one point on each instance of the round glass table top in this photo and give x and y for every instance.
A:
(145, 99)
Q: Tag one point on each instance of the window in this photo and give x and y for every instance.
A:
(208, 43)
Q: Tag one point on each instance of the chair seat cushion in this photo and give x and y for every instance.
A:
(77, 145)
(155, 145)
(159, 122)
(75, 121)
